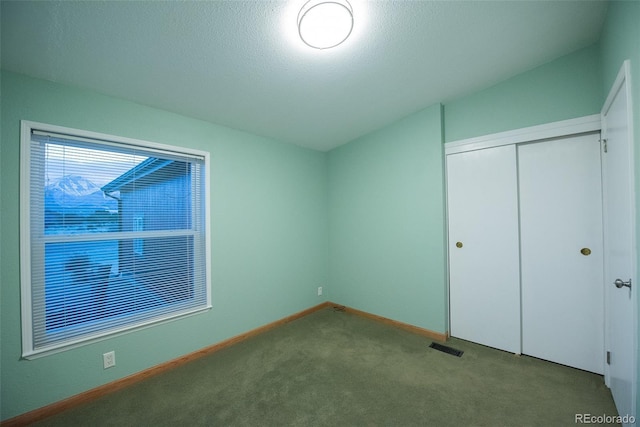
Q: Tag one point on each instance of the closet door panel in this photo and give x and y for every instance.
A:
(560, 215)
(483, 247)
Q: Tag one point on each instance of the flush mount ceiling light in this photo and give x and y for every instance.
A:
(324, 24)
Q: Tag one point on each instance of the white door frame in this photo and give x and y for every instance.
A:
(623, 82)
(562, 128)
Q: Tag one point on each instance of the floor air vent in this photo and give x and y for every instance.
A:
(446, 349)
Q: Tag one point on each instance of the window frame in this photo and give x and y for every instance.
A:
(26, 238)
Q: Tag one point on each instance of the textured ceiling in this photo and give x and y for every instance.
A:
(241, 64)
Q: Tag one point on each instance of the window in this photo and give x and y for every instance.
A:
(113, 236)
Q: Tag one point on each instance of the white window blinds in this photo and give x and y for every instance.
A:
(117, 237)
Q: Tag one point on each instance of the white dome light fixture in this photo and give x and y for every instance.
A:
(323, 24)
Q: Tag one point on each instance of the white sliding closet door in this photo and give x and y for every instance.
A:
(483, 247)
(560, 216)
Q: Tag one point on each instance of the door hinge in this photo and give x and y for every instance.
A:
(608, 358)
(604, 144)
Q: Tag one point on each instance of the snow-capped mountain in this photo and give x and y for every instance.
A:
(73, 194)
(74, 185)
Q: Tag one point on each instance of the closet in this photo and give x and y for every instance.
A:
(526, 247)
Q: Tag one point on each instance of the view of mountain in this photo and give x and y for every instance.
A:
(73, 199)
(74, 185)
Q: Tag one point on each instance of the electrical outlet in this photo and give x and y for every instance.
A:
(109, 359)
(319, 290)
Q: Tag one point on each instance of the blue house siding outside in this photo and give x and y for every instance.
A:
(155, 196)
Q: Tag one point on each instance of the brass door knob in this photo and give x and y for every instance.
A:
(458, 244)
(585, 251)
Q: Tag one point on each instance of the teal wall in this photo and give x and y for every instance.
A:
(386, 222)
(269, 238)
(621, 40)
(566, 88)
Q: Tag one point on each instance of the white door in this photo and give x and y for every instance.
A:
(484, 291)
(562, 251)
(620, 246)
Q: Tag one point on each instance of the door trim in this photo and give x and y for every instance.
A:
(624, 76)
(561, 128)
